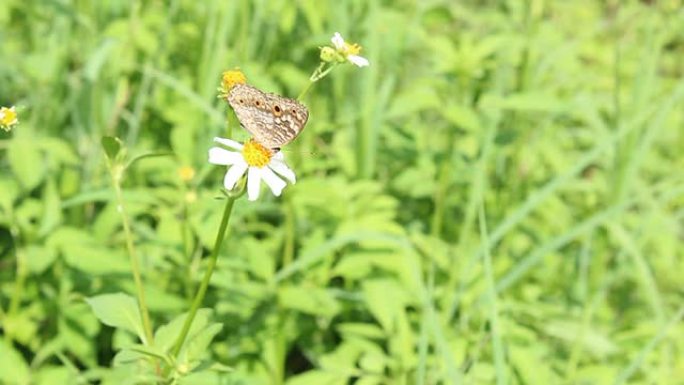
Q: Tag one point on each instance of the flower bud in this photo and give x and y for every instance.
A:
(328, 54)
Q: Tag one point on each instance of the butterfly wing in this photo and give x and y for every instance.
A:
(289, 119)
(273, 120)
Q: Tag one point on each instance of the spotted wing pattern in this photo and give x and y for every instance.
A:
(273, 120)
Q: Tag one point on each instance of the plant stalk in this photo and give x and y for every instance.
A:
(202, 290)
(133, 256)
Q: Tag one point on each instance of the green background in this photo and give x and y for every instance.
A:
(497, 198)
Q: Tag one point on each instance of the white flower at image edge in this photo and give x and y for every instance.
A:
(238, 165)
(349, 50)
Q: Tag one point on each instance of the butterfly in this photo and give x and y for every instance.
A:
(273, 120)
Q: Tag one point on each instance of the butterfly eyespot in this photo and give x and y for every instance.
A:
(242, 101)
(277, 110)
(258, 103)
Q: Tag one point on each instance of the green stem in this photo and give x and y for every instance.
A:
(116, 173)
(199, 297)
(306, 89)
(317, 75)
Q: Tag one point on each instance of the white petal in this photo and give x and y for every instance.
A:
(281, 168)
(224, 157)
(233, 175)
(274, 183)
(253, 183)
(358, 60)
(337, 40)
(230, 143)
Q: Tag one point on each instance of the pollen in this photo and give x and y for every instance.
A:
(232, 77)
(255, 154)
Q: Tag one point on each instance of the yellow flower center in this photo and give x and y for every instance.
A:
(8, 117)
(255, 154)
(352, 49)
(231, 78)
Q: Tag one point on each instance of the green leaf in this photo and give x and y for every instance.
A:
(55, 375)
(594, 341)
(12, 365)
(22, 325)
(10, 191)
(366, 330)
(205, 377)
(318, 377)
(462, 117)
(150, 351)
(165, 336)
(84, 253)
(197, 345)
(311, 300)
(112, 146)
(39, 258)
(529, 363)
(52, 211)
(27, 162)
(385, 299)
(118, 310)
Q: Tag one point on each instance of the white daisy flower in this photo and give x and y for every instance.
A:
(349, 51)
(257, 161)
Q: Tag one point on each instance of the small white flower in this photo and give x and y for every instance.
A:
(349, 51)
(257, 161)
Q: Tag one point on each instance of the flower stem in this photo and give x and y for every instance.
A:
(306, 89)
(202, 290)
(133, 256)
(318, 74)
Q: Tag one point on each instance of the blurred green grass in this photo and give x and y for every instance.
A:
(499, 197)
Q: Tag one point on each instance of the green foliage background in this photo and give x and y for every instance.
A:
(498, 198)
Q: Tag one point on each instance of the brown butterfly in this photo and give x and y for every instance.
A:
(273, 120)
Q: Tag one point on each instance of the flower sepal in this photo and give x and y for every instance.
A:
(237, 191)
